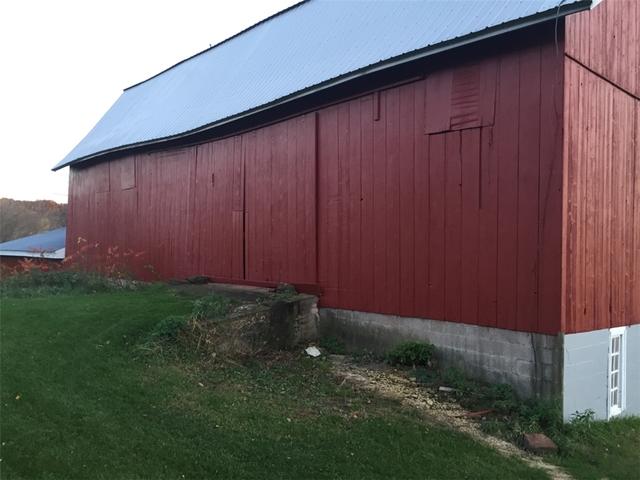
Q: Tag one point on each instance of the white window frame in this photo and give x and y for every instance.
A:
(614, 410)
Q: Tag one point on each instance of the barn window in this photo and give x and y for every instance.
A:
(617, 368)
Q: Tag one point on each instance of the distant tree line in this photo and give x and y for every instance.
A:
(20, 218)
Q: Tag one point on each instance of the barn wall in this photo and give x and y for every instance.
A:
(606, 40)
(439, 199)
(426, 212)
(602, 162)
(241, 208)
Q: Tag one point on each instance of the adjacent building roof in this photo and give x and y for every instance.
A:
(41, 245)
(310, 46)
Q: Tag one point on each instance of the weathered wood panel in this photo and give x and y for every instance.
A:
(280, 195)
(602, 196)
(219, 194)
(606, 40)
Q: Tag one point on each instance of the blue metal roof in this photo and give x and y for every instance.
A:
(45, 242)
(313, 45)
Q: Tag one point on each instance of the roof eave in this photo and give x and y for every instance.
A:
(53, 255)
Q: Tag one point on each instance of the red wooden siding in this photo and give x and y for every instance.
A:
(219, 203)
(241, 208)
(462, 225)
(601, 287)
(607, 41)
(280, 163)
(440, 198)
(602, 200)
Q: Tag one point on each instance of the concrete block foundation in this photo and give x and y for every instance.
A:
(530, 362)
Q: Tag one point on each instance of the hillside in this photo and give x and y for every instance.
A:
(19, 218)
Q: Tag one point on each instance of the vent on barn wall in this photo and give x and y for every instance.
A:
(462, 97)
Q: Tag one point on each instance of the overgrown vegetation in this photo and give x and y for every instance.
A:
(500, 409)
(587, 448)
(188, 334)
(167, 329)
(332, 345)
(596, 450)
(35, 282)
(77, 402)
(211, 307)
(411, 354)
(87, 258)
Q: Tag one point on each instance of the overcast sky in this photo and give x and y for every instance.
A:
(64, 63)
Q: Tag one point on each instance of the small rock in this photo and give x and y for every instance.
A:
(354, 379)
(312, 351)
(538, 443)
(447, 389)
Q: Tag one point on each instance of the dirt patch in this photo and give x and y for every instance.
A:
(393, 384)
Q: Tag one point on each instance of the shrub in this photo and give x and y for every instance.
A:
(168, 328)
(411, 354)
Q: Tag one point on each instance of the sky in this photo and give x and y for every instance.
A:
(64, 63)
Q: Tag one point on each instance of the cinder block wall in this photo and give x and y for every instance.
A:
(531, 362)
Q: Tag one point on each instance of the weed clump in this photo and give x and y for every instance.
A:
(411, 354)
(168, 328)
(210, 308)
(200, 332)
(333, 346)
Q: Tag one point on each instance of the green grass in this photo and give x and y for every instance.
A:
(598, 450)
(80, 400)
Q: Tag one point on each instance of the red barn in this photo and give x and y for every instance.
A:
(462, 172)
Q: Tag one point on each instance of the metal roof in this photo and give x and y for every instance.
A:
(46, 244)
(313, 45)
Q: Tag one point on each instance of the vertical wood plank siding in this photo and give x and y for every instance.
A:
(463, 219)
(607, 40)
(601, 286)
(440, 198)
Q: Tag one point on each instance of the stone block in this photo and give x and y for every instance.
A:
(538, 443)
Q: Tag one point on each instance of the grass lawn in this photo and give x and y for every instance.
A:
(79, 400)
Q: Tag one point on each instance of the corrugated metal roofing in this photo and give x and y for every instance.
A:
(40, 243)
(316, 43)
